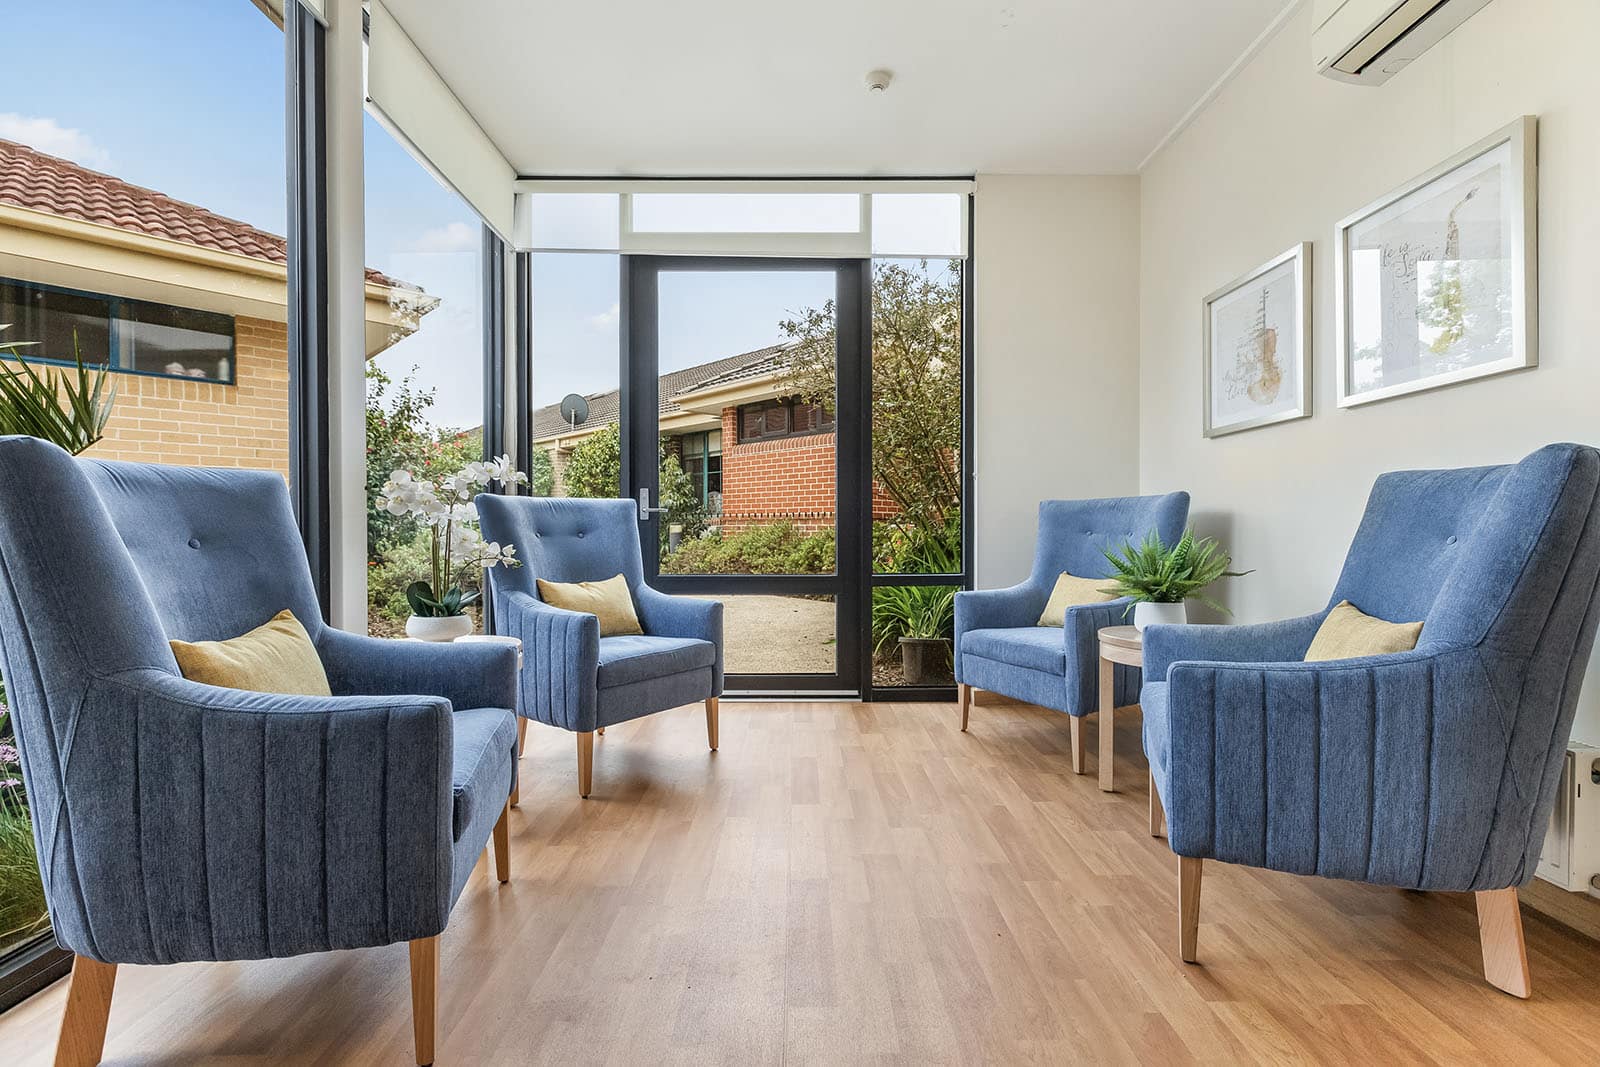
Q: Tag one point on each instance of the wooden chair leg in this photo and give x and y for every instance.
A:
(1075, 725)
(585, 762)
(83, 1026)
(964, 695)
(1505, 953)
(1158, 814)
(1108, 709)
(502, 846)
(424, 995)
(1188, 906)
(713, 704)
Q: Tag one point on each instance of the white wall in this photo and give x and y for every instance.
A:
(1056, 353)
(1279, 157)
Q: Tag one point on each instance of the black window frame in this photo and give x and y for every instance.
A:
(115, 321)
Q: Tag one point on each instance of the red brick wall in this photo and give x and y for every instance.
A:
(786, 478)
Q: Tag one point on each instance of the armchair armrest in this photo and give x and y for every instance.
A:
(1267, 642)
(983, 609)
(1389, 769)
(218, 824)
(560, 656)
(680, 616)
(1080, 633)
(469, 675)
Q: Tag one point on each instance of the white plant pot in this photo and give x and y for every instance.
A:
(438, 627)
(1148, 614)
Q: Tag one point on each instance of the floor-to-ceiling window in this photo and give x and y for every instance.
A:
(142, 221)
(750, 412)
(425, 358)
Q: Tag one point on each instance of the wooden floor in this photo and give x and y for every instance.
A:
(848, 883)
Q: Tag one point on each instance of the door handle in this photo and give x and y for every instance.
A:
(645, 510)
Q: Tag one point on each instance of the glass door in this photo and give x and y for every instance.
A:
(744, 447)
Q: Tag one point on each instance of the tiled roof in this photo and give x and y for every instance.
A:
(38, 182)
(603, 407)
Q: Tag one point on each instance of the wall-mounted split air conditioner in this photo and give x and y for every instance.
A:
(1368, 41)
(1571, 856)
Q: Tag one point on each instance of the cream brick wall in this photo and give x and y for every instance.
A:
(193, 423)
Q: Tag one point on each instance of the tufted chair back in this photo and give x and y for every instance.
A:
(1075, 534)
(563, 540)
(1502, 565)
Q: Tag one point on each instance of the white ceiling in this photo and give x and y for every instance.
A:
(746, 87)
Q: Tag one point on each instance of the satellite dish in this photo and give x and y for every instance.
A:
(575, 409)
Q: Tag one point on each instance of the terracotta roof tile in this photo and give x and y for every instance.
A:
(38, 182)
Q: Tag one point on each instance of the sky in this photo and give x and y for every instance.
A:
(187, 97)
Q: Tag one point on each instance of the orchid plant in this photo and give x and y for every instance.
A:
(446, 509)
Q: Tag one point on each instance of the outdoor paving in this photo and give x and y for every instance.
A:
(777, 634)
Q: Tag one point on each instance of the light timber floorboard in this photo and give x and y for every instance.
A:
(843, 883)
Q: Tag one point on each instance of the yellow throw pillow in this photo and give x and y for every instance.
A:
(276, 658)
(1070, 591)
(609, 601)
(1348, 633)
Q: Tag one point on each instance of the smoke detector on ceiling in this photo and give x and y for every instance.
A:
(879, 80)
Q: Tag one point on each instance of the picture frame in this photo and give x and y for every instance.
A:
(1256, 346)
(1436, 282)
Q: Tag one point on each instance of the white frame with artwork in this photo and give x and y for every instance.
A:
(1517, 144)
(1298, 262)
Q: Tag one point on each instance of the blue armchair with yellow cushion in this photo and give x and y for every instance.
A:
(577, 677)
(1430, 769)
(999, 644)
(180, 821)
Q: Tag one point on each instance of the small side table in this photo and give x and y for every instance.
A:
(1118, 644)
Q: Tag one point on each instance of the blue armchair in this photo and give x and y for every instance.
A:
(177, 821)
(998, 644)
(1433, 769)
(576, 679)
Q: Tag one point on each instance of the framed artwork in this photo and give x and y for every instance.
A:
(1437, 282)
(1256, 340)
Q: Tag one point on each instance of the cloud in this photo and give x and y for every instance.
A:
(607, 318)
(48, 135)
(453, 237)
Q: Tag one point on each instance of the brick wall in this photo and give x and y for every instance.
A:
(193, 423)
(789, 478)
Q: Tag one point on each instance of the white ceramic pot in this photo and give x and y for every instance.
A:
(438, 627)
(1148, 614)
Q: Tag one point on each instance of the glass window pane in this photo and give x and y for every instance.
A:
(53, 324)
(746, 213)
(765, 502)
(425, 374)
(912, 627)
(916, 416)
(576, 309)
(575, 220)
(917, 224)
(182, 342)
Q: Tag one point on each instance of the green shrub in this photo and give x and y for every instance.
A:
(777, 548)
(898, 611)
(899, 548)
(22, 906)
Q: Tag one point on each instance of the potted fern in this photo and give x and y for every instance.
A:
(1161, 579)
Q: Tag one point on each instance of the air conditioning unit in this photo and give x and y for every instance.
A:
(1368, 41)
(1571, 856)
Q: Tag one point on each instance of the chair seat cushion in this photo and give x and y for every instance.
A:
(624, 660)
(1040, 648)
(485, 744)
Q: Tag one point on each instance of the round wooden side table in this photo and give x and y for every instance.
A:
(1118, 644)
